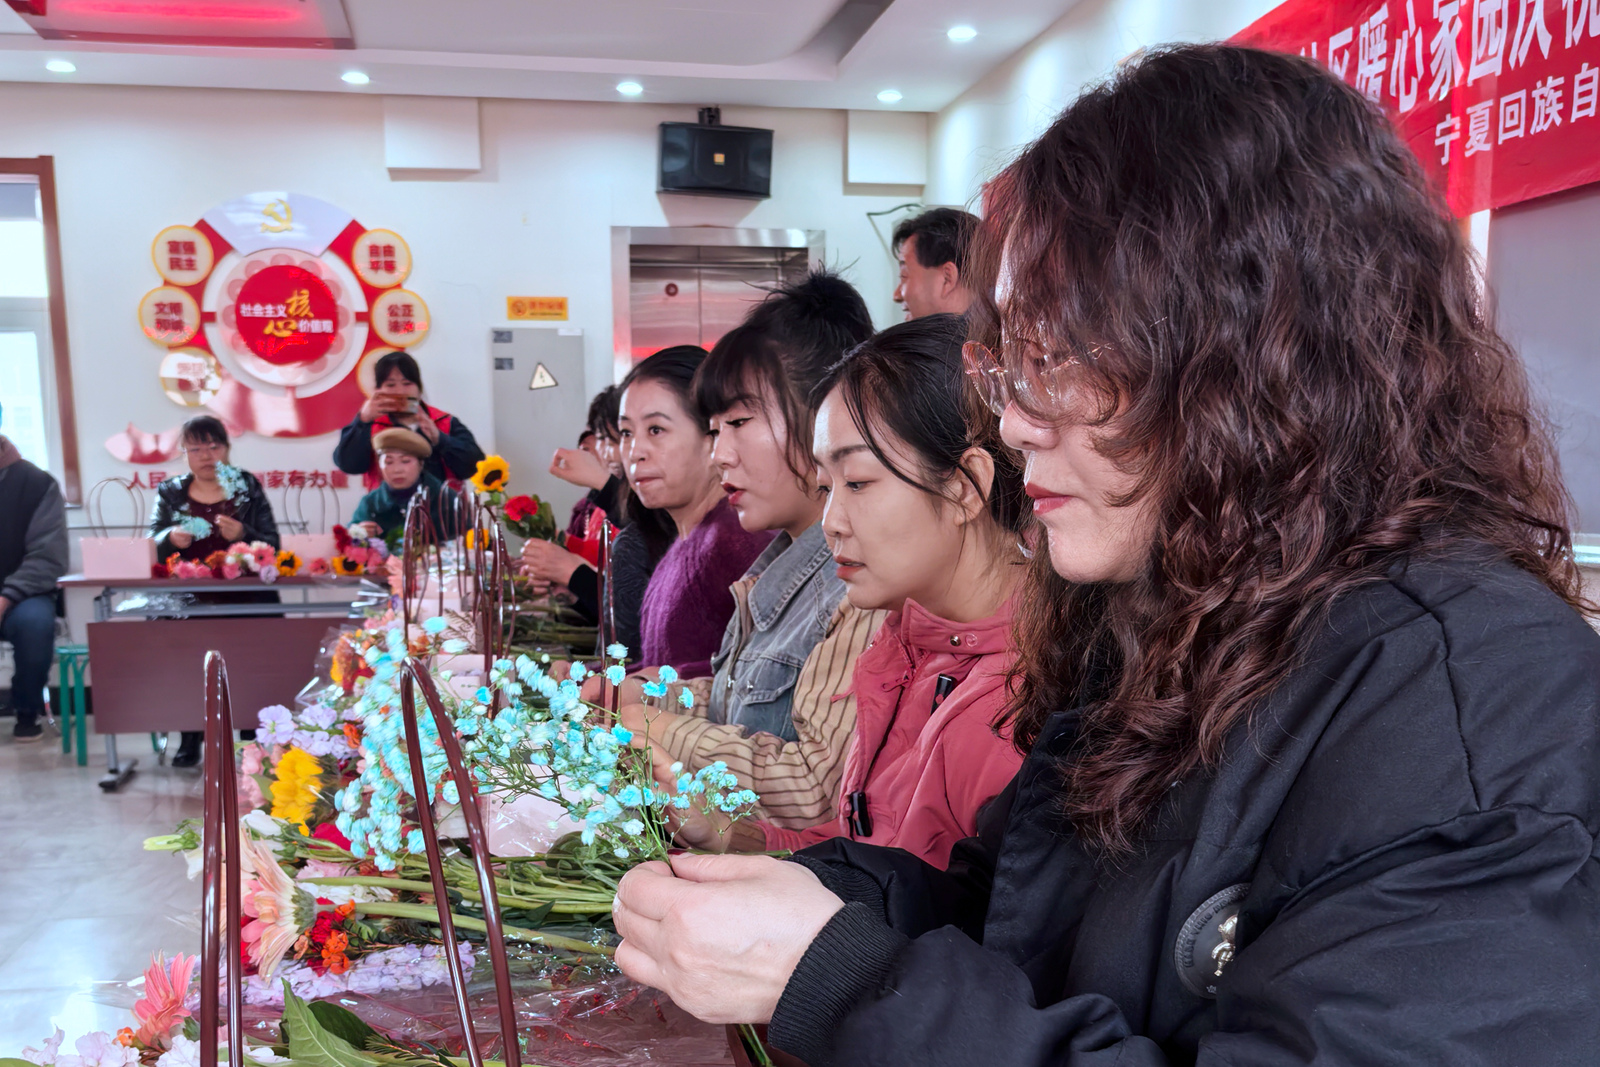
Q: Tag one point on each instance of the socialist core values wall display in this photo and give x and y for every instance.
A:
(273, 309)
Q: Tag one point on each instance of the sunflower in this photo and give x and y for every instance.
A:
(297, 787)
(491, 475)
(288, 564)
(346, 566)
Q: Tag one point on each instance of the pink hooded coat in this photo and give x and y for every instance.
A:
(925, 770)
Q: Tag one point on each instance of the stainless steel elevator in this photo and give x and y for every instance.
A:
(692, 284)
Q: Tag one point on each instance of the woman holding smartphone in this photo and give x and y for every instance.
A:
(397, 401)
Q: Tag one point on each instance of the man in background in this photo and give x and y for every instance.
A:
(932, 250)
(33, 554)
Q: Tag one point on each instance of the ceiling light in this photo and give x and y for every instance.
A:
(629, 88)
(355, 77)
(60, 66)
(961, 33)
(890, 96)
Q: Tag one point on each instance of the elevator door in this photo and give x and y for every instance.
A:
(693, 294)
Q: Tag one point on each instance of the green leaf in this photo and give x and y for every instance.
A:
(342, 1022)
(15, 1063)
(309, 1043)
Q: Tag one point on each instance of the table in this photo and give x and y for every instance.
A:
(149, 657)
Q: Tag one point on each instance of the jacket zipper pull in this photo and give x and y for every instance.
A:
(859, 814)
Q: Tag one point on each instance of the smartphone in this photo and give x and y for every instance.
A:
(412, 405)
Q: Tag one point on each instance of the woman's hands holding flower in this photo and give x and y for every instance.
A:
(720, 935)
(230, 527)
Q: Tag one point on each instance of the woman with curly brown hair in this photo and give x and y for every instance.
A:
(1313, 718)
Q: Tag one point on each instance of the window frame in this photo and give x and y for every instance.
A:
(42, 169)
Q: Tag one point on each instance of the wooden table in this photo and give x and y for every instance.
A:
(147, 657)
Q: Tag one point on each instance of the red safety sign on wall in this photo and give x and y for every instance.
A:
(1496, 97)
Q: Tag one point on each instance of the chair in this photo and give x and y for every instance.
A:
(72, 665)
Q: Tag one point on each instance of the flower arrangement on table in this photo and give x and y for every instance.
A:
(330, 783)
(524, 515)
(337, 897)
(540, 623)
(239, 560)
(354, 554)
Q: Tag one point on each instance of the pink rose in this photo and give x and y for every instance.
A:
(250, 758)
(230, 569)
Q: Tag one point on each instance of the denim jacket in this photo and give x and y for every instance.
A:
(785, 601)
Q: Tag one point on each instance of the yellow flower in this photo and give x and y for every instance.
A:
(491, 475)
(346, 566)
(297, 787)
(288, 563)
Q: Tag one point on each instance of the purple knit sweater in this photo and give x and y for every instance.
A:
(687, 604)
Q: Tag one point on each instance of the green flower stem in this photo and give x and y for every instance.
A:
(426, 913)
(595, 902)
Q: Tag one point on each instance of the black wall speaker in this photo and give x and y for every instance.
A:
(715, 160)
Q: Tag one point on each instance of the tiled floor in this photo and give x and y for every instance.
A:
(84, 904)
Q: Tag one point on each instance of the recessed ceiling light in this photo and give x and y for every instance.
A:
(355, 77)
(629, 88)
(890, 96)
(61, 66)
(961, 33)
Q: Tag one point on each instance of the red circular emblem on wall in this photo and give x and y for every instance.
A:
(286, 315)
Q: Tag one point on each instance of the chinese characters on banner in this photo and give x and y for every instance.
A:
(1497, 98)
(335, 479)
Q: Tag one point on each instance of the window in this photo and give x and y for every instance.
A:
(36, 410)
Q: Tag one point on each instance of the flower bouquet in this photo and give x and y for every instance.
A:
(355, 554)
(238, 560)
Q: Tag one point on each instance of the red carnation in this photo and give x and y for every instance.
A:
(521, 507)
(330, 833)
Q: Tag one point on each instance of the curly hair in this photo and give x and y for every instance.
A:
(1285, 331)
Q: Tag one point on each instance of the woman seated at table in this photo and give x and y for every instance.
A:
(402, 460)
(666, 447)
(778, 711)
(397, 402)
(213, 506)
(1310, 698)
(922, 517)
(642, 537)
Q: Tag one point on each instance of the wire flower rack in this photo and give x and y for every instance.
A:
(222, 902)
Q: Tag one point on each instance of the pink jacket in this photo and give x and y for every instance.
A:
(925, 771)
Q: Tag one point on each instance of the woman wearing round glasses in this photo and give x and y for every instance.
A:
(1310, 709)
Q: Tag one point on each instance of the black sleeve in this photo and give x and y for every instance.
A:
(1377, 948)
(353, 453)
(584, 585)
(458, 450)
(256, 515)
(162, 516)
(631, 568)
(909, 895)
(609, 500)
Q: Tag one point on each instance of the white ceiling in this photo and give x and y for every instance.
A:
(782, 53)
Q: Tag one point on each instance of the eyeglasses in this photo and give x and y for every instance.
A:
(1023, 373)
(208, 449)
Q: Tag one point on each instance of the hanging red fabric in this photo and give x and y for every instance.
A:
(1497, 98)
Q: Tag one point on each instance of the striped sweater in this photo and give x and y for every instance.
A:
(797, 781)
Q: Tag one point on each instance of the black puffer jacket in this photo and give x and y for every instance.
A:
(1408, 831)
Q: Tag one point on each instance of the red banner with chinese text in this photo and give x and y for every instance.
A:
(1496, 97)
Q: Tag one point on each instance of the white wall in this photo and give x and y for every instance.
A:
(535, 221)
(984, 128)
